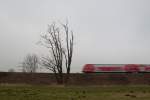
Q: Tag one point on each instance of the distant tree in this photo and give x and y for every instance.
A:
(59, 41)
(30, 63)
(11, 70)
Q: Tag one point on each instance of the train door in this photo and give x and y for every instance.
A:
(142, 69)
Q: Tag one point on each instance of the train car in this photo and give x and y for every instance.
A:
(132, 68)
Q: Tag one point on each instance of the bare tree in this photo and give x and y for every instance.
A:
(30, 63)
(59, 41)
(11, 70)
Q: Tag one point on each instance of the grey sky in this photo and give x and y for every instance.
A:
(106, 31)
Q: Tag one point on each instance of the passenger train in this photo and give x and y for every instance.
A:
(123, 68)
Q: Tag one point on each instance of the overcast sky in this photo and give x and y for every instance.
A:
(106, 31)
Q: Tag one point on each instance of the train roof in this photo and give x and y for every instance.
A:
(116, 64)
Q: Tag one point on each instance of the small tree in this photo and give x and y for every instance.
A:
(11, 70)
(30, 63)
(59, 41)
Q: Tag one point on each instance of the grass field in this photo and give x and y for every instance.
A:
(26, 92)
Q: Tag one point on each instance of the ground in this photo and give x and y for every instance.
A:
(28, 92)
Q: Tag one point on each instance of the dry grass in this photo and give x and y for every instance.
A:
(29, 92)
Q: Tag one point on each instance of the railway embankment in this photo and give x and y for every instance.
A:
(76, 78)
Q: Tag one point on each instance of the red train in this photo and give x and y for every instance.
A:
(133, 68)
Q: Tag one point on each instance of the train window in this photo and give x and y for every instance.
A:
(108, 65)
